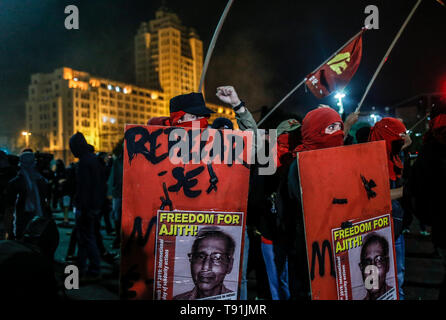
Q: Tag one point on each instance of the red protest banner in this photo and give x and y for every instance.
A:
(342, 187)
(154, 184)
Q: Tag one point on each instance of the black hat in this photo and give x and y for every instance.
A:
(222, 123)
(192, 103)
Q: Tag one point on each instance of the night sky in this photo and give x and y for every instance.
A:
(265, 47)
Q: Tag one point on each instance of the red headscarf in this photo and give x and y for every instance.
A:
(389, 129)
(158, 121)
(313, 130)
(176, 116)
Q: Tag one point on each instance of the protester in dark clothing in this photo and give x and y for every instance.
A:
(273, 221)
(59, 180)
(393, 132)
(428, 177)
(27, 194)
(107, 206)
(26, 265)
(88, 201)
(115, 184)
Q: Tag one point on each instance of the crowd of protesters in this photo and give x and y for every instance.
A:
(92, 189)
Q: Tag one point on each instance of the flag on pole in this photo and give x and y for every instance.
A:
(336, 73)
(441, 2)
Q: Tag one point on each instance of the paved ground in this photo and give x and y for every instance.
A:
(424, 271)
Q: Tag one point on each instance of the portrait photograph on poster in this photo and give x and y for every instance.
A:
(198, 255)
(359, 248)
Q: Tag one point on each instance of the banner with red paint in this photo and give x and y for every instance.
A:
(340, 187)
(156, 181)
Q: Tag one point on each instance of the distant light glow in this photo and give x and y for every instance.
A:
(104, 119)
(340, 96)
(112, 120)
(375, 118)
(110, 87)
(118, 89)
(75, 79)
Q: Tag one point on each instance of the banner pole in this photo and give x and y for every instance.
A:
(387, 54)
(212, 44)
(305, 79)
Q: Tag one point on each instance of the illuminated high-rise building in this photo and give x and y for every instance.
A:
(168, 59)
(168, 55)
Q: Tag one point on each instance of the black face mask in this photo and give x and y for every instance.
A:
(397, 145)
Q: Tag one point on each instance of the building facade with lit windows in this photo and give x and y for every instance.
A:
(168, 62)
(66, 101)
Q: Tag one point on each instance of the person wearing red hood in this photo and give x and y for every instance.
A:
(426, 184)
(393, 132)
(321, 128)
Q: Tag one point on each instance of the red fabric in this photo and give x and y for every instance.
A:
(389, 129)
(176, 116)
(337, 73)
(265, 240)
(313, 130)
(158, 121)
(438, 122)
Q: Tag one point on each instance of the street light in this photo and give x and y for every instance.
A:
(340, 96)
(26, 134)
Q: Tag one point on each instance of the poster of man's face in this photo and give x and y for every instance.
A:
(374, 256)
(213, 258)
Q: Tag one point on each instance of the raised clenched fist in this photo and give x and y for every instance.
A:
(227, 94)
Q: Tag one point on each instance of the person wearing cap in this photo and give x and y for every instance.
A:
(188, 108)
(222, 124)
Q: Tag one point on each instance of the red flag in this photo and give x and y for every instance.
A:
(441, 2)
(336, 73)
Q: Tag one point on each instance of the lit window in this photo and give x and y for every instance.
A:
(104, 119)
(112, 120)
(110, 87)
(118, 89)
